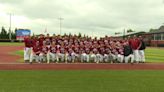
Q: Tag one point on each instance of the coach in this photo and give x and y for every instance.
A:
(128, 53)
(135, 45)
(142, 50)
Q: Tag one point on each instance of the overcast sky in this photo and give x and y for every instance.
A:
(91, 17)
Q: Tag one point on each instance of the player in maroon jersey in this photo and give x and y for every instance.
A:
(36, 50)
(41, 39)
(52, 52)
(44, 52)
(27, 49)
(135, 45)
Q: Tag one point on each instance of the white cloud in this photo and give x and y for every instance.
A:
(92, 17)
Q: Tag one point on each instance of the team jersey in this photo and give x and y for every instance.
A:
(28, 42)
(134, 43)
(62, 50)
(36, 49)
(44, 49)
(53, 49)
(34, 42)
(41, 42)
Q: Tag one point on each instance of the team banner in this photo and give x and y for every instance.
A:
(22, 33)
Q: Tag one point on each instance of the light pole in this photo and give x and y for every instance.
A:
(10, 19)
(124, 34)
(60, 19)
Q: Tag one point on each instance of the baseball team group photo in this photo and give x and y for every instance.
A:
(81, 45)
(71, 48)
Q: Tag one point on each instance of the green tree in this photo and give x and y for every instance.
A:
(4, 34)
(152, 30)
(79, 35)
(130, 30)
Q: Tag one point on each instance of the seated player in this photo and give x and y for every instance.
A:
(44, 53)
(120, 56)
(99, 57)
(52, 52)
(77, 54)
(61, 54)
(93, 57)
(70, 55)
(36, 50)
(107, 55)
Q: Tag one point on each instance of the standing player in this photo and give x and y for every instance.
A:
(135, 44)
(142, 50)
(27, 49)
(41, 39)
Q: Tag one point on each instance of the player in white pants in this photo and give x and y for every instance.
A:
(93, 57)
(27, 49)
(84, 57)
(142, 56)
(129, 57)
(142, 50)
(61, 55)
(120, 56)
(136, 55)
(128, 53)
(99, 57)
(71, 55)
(44, 53)
(36, 50)
(52, 53)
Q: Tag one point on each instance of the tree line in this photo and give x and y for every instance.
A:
(4, 34)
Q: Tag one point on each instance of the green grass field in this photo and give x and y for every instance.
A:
(81, 81)
(154, 54)
(11, 44)
(85, 80)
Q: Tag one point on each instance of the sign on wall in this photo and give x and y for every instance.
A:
(21, 33)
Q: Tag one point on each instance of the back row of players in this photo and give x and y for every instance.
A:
(83, 49)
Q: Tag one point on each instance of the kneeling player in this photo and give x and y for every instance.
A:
(52, 53)
(128, 53)
(36, 50)
(44, 53)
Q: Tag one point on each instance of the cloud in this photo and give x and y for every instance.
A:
(92, 17)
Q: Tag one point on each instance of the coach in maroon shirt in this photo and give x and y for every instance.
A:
(135, 44)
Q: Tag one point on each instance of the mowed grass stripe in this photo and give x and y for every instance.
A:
(11, 44)
(154, 55)
(81, 81)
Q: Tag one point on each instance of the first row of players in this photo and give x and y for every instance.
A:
(71, 48)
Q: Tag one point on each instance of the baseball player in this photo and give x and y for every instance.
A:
(44, 53)
(36, 50)
(52, 52)
(93, 55)
(61, 53)
(27, 49)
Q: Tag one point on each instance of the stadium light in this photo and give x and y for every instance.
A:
(10, 19)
